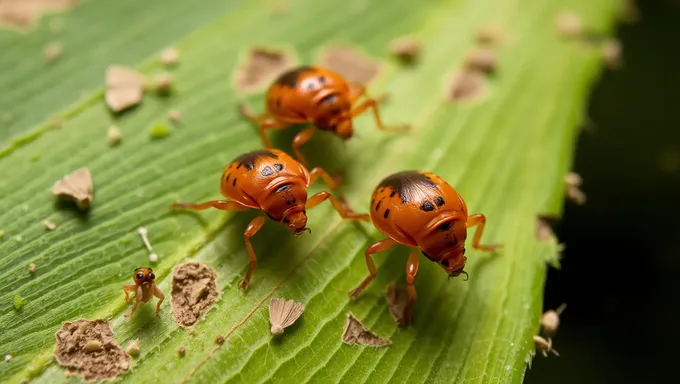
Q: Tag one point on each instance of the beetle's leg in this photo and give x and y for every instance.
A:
(138, 300)
(479, 220)
(380, 246)
(373, 105)
(129, 288)
(300, 139)
(251, 230)
(263, 121)
(411, 271)
(357, 90)
(157, 292)
(344, 213)
(219, 204)
(317, 172)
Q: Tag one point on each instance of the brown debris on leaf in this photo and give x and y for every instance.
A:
(488, 35)
(467, 85)
(124, 87)
(481, 59)
(261, 67)
(544, 346)
(50, 226)
(219, 339)
(406, 49)
(544, 231)
(24, 14)
(356, 333)
(174, 116)
(574, 193)
(114, 136)
(163, 83)
(52, 51)
(181, 351)
(283, 313)
(612, 53)
(353, 65)
(569, 24)
(194, 291)
(133, 348)
(31, 267)
(397, 299)
(550, 320)
(87, 348)
(76, 187)
(170, 57)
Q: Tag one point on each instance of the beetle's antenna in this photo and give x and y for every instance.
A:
(466, 275)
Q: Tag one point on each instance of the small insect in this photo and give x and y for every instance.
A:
(316, 95)
(143, 288)
(422, 211)
(271, 181)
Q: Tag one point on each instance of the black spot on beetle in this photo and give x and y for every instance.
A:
(291, 77)
(387, 213)
(378, 206)
(233, 183)
(227, 178)
(393, 193)
(278, 167)
(439, 201)
(290, 202)
(267, 171)
(445, 226)
(283, 188)
(427, 206)
(249, 159)
(409, 185)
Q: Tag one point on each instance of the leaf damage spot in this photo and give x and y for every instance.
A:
(356, 333)
(24, 14)
(76, 187)
(181, 351)
(489, 35)
(467, 85)
(261, 67)
(352, 64)
(50, 226)
(194, 291)
(170, 57)
(283, 313)
(124, 88)
(397, 299)
(406, 49)
(88, 348)
(481, 59)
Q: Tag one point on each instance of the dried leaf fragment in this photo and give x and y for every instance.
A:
(194, 291)
(573, 181)
(352, 64)
(544, 346)
(488, 35)
(163, 82)
(181, 351)
(50, 226)
(569, 24)
(174, 116)
(133, 348)
(219, 339)
(114, 136)
(406, 49)
(467, 85)
(124, 87)
(31, 268)
(356, 333)
(93, 346)
(24, 14)
(76, 186)
(550, 320)
(170, 57)
(52, 51)
(397, 299)
(261, 66)
(481, 59)
(612, 53)
(283, 313)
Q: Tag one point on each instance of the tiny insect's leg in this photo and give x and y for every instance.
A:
(219, 204)
(251, 230)
(157, 292)
(373, 105)
(479, 220)
(344, 213)
(411, 271)
(138, 300)
(129, 288)
(264, 122)
(317, 172)
(380, 246)
(299, 140)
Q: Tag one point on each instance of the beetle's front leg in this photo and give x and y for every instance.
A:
(342, 210)
(138, 300)
(129, 288)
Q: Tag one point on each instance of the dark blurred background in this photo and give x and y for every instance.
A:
(621, 267)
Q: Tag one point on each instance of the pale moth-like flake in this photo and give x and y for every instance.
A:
(283, 313)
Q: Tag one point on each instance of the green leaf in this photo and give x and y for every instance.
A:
(506, 154)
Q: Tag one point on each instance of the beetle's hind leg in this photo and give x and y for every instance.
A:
(264, 122)
(157, 292)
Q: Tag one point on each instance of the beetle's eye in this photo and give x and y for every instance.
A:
(152, 276)
(445, 262)
(139, 275)
(310, 84)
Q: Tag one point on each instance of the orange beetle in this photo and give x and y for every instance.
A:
(420, 210)
(275, 183)
(143, 288)
(316, 95)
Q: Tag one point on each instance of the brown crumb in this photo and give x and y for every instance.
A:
(611, 53)
(261, 67)
(31, 268)
(544, 346)
(76, 186)
(163, 82)
(133, 348)
(482, 59)
(124, 87)
(283, 313)
(397, 299)
(488, 35)
(88, 349)
(467, 85)
(219, 339)
(181, 351)
(52, 51)
(544, 229)
(353, 65)
(573, 191)
(174, 116)
(114, 136)
(569, 24)
(50, 226)
(550, 320)
(194, 291)
(24, 14)
(406, 49)
(356, 333)
(170, 57)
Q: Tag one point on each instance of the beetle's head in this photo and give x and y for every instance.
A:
(345, 129)
(453, 262)
(296, 221)
(144, 276)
